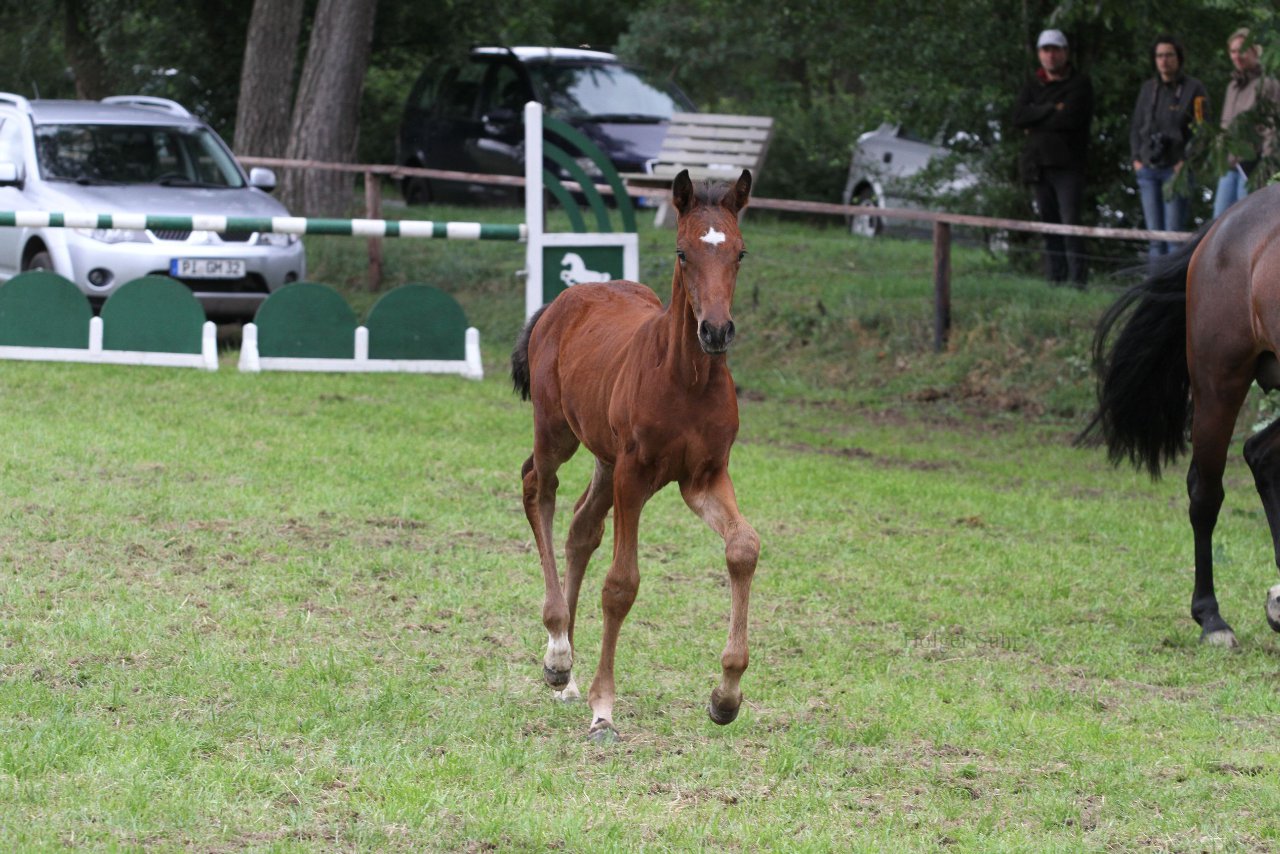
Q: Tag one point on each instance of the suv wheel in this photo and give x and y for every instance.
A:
(39, 261)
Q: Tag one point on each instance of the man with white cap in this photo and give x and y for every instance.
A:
(1054, 110)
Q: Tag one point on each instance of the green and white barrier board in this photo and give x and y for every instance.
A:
(149, 321)
(412, 329)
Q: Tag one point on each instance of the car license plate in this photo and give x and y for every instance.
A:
(207, 268)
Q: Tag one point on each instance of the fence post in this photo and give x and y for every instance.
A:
(941, 285)
(373, 210)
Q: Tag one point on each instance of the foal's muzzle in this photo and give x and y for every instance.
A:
(715, 339)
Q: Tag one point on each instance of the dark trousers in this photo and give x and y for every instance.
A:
(1059, 197)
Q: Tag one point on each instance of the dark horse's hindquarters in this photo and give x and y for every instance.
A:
(648, 391)
(1193, 336)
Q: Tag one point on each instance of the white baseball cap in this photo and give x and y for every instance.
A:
(1052, 37)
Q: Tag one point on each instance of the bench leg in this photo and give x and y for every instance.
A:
(665, 217)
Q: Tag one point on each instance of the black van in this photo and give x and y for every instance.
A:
(469, 118)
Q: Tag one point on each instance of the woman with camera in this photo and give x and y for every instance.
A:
(1167, 106)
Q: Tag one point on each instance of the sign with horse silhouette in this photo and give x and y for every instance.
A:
(566, 263)
(557, 261)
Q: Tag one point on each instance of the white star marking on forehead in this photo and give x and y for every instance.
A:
(715, 238)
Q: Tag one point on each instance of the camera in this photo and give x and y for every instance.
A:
(1159, 149)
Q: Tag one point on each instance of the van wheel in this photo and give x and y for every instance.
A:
(416, 191)
(866, 225)
(39, 261)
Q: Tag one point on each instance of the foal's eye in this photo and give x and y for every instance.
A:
(742, 254)
(680, 255)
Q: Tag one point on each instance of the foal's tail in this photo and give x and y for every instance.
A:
(1144, 387)
(520, 357)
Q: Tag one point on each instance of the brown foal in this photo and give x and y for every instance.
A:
(648, 391)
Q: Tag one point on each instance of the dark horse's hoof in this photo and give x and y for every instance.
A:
(555, 678)
(1222, 637)
(1273, 608)
(720, 710)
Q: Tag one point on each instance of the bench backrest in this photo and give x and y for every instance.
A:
(712, 145)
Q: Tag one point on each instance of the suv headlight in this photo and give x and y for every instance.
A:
(270, 238)
(113, 235)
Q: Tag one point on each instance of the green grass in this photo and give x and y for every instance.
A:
(301, 613)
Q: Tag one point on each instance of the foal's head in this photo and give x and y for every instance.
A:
(709, 248)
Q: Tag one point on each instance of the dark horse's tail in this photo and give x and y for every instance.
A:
(1144, 387)
(520, 357)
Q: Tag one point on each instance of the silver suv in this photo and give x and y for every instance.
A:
(889, 169)
(139, 155)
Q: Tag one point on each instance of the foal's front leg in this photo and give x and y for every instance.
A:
(630, 492)
(714, 501)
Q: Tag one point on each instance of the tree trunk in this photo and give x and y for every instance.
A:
(88, 66)
(266, 78)
(326, 114)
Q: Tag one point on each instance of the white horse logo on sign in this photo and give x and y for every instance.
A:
(578, 273)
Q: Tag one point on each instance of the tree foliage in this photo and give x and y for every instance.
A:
(827, 70)
(189, 52)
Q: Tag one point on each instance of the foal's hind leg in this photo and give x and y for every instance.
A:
(714, 501)
(1262, 452)
(585, 533)
(550, 449)
(1211, 427)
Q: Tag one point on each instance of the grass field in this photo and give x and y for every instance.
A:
(301, 613)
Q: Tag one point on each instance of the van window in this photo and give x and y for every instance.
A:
(595, 90)
(504, 88)
(459, 88)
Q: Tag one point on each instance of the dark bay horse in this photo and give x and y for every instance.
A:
(1200, 329)
(648, 391)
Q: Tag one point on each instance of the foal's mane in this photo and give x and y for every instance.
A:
(709, 192)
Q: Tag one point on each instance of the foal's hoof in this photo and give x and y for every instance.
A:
(556, 678)
(723, 710)
(602, 732)
(1273, 608)
(1224, 638)
(569, 694)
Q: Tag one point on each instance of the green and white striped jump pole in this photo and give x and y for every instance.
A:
(276, 225)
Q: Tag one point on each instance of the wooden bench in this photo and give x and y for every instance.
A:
(709, 145)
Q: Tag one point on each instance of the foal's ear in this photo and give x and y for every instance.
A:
(740, 193)
(682, 192)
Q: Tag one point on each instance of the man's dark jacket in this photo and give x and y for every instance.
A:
(1055, 115)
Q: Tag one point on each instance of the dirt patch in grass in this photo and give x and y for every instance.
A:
(855, 453)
